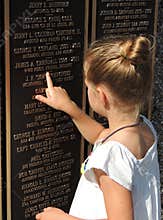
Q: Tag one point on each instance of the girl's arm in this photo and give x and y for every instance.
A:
(118, 200)
(58, 98)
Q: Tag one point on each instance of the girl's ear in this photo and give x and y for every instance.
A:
(103, 97)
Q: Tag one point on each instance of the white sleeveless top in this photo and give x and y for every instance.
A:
(139, 176)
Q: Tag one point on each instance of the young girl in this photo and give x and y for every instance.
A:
(120, 180)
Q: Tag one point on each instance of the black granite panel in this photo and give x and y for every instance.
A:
(45, 146)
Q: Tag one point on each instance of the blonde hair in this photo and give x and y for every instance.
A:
(123, 64)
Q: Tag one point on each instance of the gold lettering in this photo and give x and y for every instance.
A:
(21, 135)
(22, 65)
(18, 36)
(22, 149)
(35, 5)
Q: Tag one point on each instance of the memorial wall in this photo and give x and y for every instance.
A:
(43, 147)
(124, 17)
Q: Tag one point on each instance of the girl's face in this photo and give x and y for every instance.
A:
(93, 94)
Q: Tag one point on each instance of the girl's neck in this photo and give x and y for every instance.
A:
(118, 119)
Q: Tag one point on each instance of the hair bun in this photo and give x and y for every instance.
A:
(139, 51)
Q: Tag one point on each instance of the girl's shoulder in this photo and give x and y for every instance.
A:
(137, 140)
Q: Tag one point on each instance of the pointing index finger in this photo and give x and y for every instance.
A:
(49, 81)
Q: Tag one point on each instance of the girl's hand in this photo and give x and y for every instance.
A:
(56, 97)
(51, 214)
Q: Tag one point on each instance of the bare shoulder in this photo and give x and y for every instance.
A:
(138, 140)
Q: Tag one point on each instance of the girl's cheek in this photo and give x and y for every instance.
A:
(89, 98)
